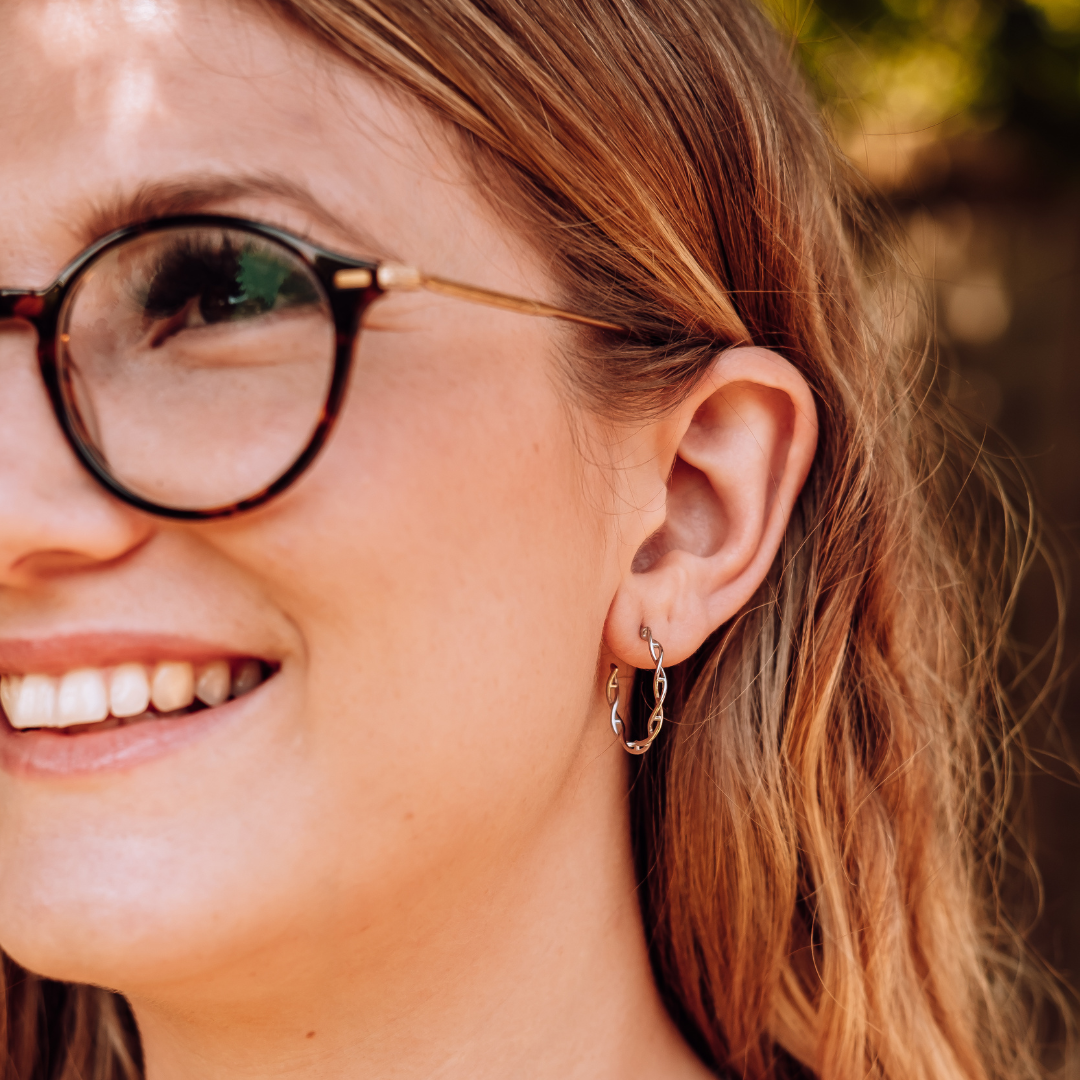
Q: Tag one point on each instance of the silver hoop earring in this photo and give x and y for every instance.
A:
(659, 686)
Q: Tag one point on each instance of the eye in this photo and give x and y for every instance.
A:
(224, 281)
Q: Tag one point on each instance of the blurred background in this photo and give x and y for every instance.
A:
(965, 115)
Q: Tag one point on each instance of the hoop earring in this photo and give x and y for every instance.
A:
(659, 686)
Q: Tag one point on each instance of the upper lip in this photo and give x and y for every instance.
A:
(58, 654)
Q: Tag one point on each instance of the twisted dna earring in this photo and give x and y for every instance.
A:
(659, 686)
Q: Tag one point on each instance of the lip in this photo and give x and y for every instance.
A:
(57, 655)
(51, 754)
(42, 753)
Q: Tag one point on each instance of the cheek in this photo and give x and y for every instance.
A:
(446, 566)
(446, 571)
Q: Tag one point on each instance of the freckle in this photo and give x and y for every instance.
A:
(536, 447)
(310, 1035)
(409, 815)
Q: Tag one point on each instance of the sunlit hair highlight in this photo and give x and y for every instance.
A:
(821, 831)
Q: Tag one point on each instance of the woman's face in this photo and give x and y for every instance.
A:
(431, 594)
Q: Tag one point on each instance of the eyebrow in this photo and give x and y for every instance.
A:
(198, 192)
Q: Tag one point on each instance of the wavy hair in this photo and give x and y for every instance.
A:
(822, 833)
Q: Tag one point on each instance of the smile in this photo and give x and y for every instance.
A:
(95, 698)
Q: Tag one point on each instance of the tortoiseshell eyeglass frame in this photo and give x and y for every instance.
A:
(351, 286)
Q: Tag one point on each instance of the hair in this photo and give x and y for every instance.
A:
(822, 832)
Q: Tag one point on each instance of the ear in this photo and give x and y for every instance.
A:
(745, 441)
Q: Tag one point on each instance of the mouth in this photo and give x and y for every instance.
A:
(92, 699)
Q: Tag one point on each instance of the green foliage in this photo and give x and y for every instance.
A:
(939, 68)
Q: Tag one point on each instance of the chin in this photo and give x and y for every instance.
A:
(128, 911)
(111, 929)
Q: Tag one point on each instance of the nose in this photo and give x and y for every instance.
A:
(54, 517)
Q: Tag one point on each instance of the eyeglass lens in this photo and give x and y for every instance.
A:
(196, 362)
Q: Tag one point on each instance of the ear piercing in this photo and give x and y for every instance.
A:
(659, 684)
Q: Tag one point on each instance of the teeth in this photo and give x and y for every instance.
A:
(212, 683)
(91, 695)
(172, 686)
(36, 703)
(82, 698)
(9, 693)
(248, 676)
(129, 690)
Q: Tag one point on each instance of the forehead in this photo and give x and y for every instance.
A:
(106, 98)
(108, 74)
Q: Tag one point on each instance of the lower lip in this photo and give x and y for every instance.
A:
(51, 754)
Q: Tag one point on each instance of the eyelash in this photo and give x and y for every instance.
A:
(217, 262)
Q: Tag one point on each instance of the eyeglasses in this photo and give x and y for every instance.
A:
(197, 364)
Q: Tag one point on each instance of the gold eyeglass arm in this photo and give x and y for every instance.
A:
(396, 277)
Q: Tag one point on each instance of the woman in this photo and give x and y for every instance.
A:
(318, 642)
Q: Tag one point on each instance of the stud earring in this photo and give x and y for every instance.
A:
(659, 686)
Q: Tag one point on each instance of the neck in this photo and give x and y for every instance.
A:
(529, 963)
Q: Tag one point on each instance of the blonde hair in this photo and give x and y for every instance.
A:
(821, 831)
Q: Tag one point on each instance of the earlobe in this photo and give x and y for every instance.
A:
(746, 441)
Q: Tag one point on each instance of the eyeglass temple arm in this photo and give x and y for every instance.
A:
(396, 277)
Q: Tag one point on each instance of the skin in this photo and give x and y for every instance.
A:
(410, 856)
